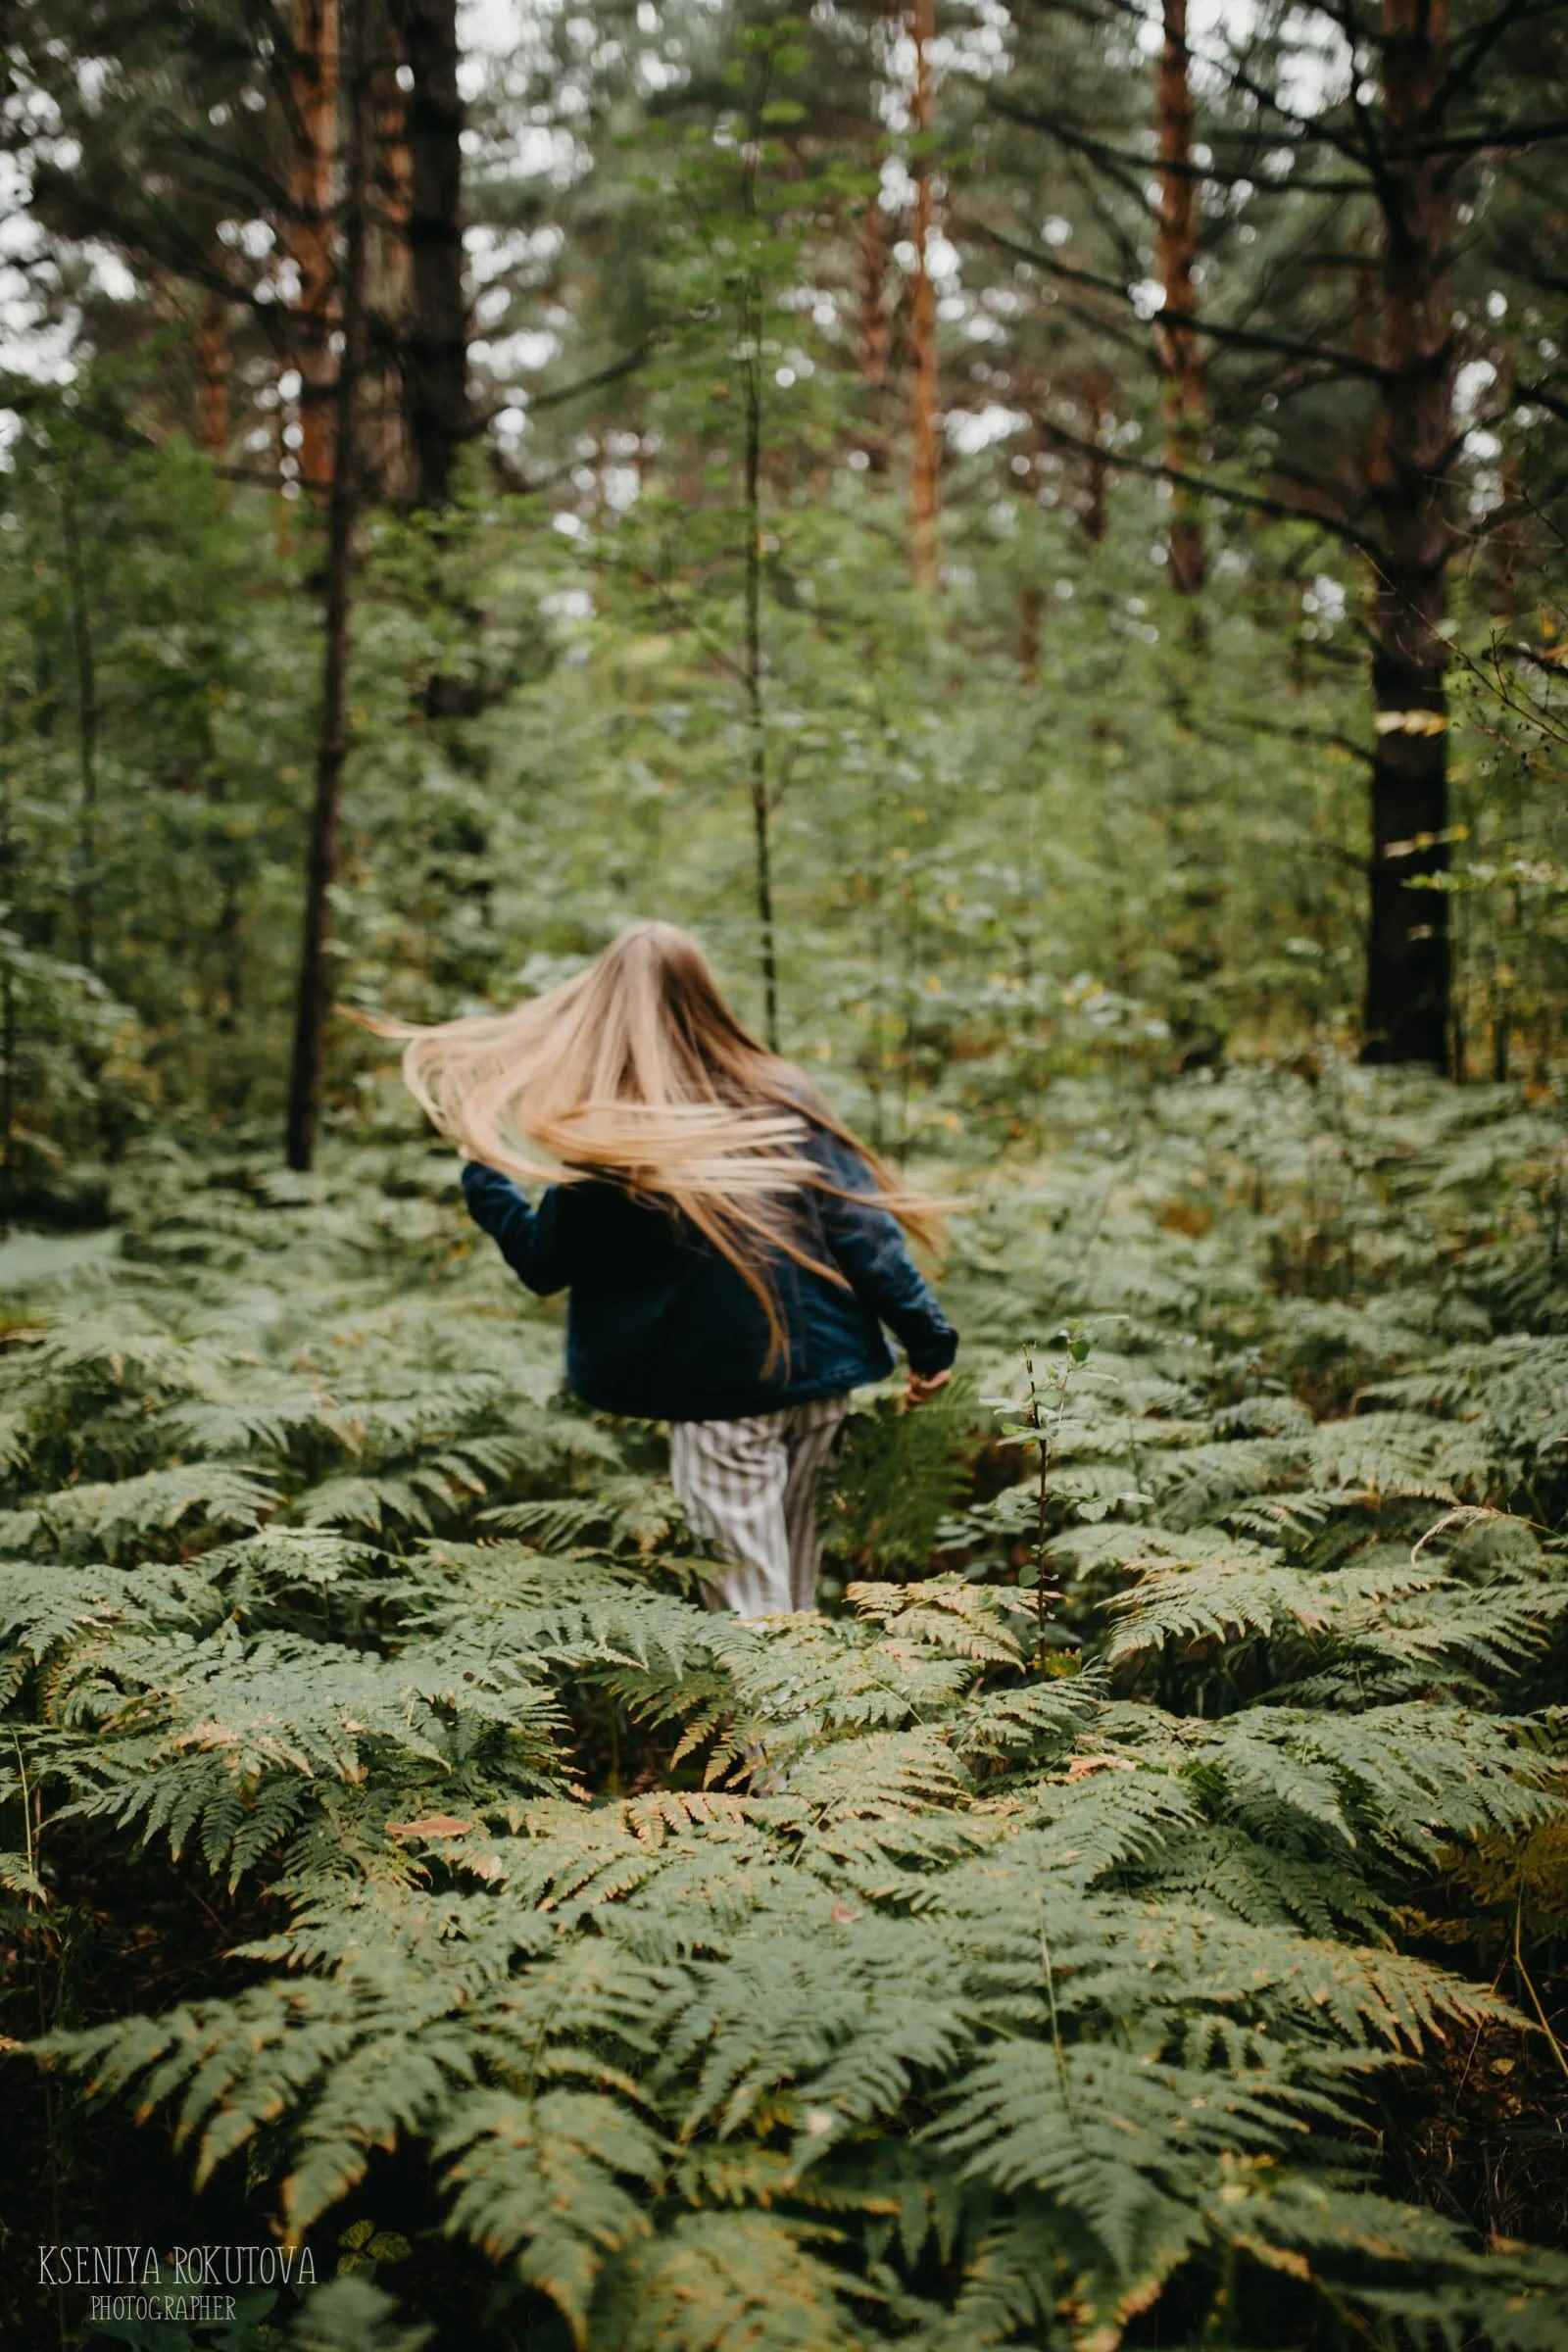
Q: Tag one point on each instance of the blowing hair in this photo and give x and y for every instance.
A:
(637, 1072)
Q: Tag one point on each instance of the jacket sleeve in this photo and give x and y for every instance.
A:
(868, 1247)
(532, 1240)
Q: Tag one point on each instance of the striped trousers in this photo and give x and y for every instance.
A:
(750, 1486)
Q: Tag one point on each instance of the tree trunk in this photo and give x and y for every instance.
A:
(389, 463)
(1183, 395)
(1096, 399)
(214, 361)
(310, 1003)
(750, 344)
(1193, 841)
(435, 363)
(313, 86)
(1029, 606)
(85, 892)
(925, 459)
(872, 331)
(1406, 1010)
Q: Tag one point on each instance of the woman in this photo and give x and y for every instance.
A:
(730, 1252)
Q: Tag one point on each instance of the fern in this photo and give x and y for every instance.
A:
(116, 1515)
(1032, 2003)
(554, 2183)
(895, 1477)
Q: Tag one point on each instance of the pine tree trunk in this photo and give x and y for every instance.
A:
(313, 85)
(1406, 1010)
(925, 458)
(435, 364)
(214, 361)
(1183, 394)
(388, 457)
(311, 1001)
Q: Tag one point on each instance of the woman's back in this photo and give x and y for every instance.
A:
(661, 1323)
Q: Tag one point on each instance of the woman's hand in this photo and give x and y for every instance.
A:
(923, 1385)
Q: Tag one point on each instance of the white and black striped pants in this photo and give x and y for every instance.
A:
(750, 1486)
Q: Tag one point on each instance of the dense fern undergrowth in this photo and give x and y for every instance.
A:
(1173, 1957)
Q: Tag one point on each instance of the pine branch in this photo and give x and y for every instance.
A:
(1331, 363)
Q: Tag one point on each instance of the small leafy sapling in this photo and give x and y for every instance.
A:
(1049, 1386)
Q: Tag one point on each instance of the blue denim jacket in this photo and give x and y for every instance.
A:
(660, 1325)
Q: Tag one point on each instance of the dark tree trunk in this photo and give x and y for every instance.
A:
(750, 341)
(86, 887)
(1029, 607)
(389, 473)
(213, 363)
(1406, 1008)
(1184, 400)
(435, 363)
(925, 467)
(308, 233)
(310, 1003)
(1183, 391)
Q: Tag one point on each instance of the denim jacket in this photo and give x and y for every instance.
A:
(660, 1324)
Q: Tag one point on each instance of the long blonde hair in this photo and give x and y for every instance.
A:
(637, 1071)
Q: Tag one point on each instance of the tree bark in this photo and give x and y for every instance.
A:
(1182, 392)
(312, 87)
(1406, 1012)
(388, 456)
(435, 364)
(214, 363)
(311, 1001)
(925, 469)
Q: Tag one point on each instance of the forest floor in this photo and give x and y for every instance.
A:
(1172, 1953)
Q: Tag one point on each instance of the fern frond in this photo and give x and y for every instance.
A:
(113, 1514)
(542, 2182)
(746, 2278)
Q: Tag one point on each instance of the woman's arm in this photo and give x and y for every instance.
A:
(868, 1247)
(532, 1240)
